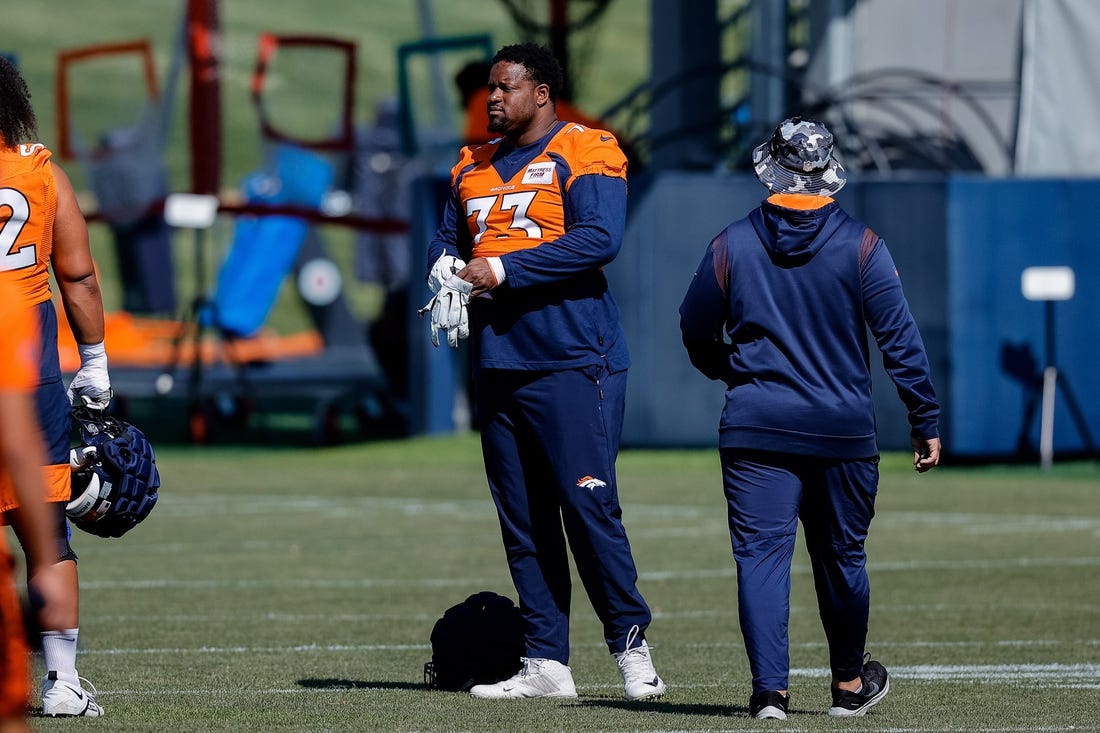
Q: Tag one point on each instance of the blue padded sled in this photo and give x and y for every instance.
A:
(264, 248)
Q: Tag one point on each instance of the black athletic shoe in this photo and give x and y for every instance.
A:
(770, 704)
(876, 683)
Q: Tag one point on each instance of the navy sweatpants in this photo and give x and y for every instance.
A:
(767, 494)
(550, 441)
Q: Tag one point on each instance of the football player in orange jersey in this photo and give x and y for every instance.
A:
(21, 459)
(537, 213)
(42, 228)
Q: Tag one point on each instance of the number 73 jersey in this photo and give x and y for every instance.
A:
(28, 205)
(519, 200)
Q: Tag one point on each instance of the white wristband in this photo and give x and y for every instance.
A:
(498, 268)
(92, 354)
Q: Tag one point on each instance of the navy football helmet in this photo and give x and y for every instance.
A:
(115, 477)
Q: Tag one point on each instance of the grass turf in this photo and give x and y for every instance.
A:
(295, 591)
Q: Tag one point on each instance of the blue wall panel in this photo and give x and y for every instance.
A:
(996, 229)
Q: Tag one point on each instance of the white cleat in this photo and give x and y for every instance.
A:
(640, 680)
(538, 678)
(66, 698)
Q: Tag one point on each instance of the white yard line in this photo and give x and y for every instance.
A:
(1079, 676)
(994, 644)
(729, 572)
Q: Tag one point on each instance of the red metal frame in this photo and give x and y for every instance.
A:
(269, 43)
(67, 59)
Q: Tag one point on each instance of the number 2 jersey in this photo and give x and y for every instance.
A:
(554, 212)
(28, 205)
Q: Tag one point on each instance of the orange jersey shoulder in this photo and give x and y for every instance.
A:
(28, 206)
(591, 151)
(518, 209)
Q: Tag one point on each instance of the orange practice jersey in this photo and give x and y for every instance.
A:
(28, 205)
(527, 209)
(554, 212)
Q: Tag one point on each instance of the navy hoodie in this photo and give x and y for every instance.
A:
(779, 310)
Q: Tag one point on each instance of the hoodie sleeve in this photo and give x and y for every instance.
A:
(895, 332)
(703, 313)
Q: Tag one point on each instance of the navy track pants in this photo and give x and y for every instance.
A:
(550, 441)
(767, 494)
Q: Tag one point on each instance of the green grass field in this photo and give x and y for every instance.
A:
(296, 591)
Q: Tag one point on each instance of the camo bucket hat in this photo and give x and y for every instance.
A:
(799, 159)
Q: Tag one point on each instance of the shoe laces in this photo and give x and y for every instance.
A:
(634, 661)
(88, 687)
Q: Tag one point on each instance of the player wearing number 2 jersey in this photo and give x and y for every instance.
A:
(538, 212)
(42, 228)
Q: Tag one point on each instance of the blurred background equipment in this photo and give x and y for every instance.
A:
(126, 166)
(1049, 285)
(960, 122)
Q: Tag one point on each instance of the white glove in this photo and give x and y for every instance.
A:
(443, 268)
(92, 383)
(449, 309)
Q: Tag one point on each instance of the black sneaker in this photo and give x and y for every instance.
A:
(770, 704)
(876, 683)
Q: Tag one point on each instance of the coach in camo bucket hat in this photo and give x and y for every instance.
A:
(799, 159)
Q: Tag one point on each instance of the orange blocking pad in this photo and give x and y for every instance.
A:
(141, 342)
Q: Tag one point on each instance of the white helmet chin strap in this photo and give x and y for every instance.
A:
(84, 503)
(94, 500)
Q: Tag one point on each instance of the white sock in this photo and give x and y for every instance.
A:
(59, 650)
